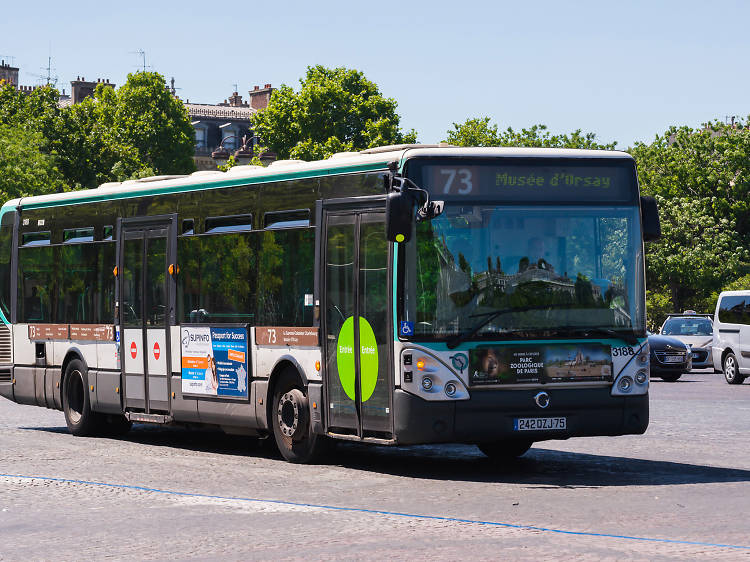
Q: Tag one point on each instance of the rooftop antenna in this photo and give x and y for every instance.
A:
(172, 89)
(235, 88)
(47, 78)
(142, 54)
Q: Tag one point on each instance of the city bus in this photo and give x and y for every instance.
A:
(399, 295)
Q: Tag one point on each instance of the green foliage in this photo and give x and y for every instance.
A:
(701, 179)
(24, 168)
(479, 131)
(336, 109)
(136, 131)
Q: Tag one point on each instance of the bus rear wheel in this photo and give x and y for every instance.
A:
(506, 450)
(79, 417)
(290, 419)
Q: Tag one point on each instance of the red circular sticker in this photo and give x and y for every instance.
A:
(133, 350)
(157, 351)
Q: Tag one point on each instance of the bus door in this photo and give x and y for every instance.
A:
(358, 379)
(146, 297)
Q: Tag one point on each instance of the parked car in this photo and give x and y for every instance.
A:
(695, 330)
(731, 341)
(669, 357)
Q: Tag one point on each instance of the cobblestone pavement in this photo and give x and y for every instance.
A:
(165, 493)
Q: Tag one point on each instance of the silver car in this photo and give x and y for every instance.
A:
(695, 330)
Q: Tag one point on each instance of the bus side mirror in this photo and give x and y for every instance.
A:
(399, 216)
(650, 219)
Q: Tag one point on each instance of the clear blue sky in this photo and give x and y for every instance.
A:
(624, 70)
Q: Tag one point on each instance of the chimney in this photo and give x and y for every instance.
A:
(260, 97)
(235, 100)
(80, 89)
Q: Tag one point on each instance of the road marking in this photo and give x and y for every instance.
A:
(374, 512)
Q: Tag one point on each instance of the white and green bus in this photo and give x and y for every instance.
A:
(399, 295)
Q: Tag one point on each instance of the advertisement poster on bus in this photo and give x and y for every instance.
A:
(536, 364)
(214, 361)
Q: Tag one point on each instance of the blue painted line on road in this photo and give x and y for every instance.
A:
(377, 512)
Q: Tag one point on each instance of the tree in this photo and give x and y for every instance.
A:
(701, 178)
(136, 131)
(24, 168)
(336, 109)
(697, 253)
(479, 131)
(146, 126)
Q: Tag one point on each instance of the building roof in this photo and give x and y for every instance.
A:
(219, 111)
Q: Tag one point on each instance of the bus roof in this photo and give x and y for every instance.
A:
(341, 163)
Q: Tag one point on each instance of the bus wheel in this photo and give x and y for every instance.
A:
(505, 450)
(79, 417)
(290, 418)
(731, 371)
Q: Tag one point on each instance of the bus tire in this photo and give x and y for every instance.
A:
(670, 378)
(290, 419)
(506, 450)
(731, 370)
(79, 417)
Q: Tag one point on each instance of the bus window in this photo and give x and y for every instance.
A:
(6, 247)
(299, 218)
(77, 235)
(236, 223)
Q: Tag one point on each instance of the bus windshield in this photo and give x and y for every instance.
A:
(495, 272)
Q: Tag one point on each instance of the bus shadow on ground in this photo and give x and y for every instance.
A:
(538, 468)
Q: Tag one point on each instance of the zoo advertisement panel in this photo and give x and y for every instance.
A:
(513, 364)
(214, 361)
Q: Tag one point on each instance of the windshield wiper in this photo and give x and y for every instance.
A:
(456, 340)
(628, 336)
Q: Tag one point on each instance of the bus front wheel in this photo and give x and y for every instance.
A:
(79, 417)
(290, 418)
(505, 450)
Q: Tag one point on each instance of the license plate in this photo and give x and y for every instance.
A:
(531, 424)
(695, 356)
(673, 359)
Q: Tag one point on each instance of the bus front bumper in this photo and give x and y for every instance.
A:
(490, 415)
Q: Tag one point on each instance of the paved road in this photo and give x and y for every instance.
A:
(170, 493)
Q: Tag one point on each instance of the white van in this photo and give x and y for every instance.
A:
(731, 340)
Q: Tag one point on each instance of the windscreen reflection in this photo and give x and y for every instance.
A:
(524, 272)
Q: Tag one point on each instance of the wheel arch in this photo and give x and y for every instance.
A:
(724, 354)
(282, 365)
(72, 354)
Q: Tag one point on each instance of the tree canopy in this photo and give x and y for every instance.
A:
(137, 130)
(701, 179)
(335, 109)
(479, 131)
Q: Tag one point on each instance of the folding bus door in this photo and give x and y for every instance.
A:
(145, 308)
(358, 380)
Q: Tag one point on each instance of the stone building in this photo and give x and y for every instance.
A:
(224, 124)
(8, 74)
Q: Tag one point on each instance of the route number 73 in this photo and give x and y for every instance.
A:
(456, 180)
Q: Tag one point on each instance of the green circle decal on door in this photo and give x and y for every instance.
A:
(368, 358)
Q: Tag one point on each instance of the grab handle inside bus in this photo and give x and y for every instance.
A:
(650, 219)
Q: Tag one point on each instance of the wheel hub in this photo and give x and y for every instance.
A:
(290, 414)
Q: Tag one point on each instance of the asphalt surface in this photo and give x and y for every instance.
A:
(681, 491)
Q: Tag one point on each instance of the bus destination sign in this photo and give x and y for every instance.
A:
(533, 182)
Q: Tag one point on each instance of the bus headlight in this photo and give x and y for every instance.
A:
(625, 384)
(450, 389)
(427, 383)
(641, 377)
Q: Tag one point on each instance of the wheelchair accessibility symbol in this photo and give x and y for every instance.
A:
(407, 328)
